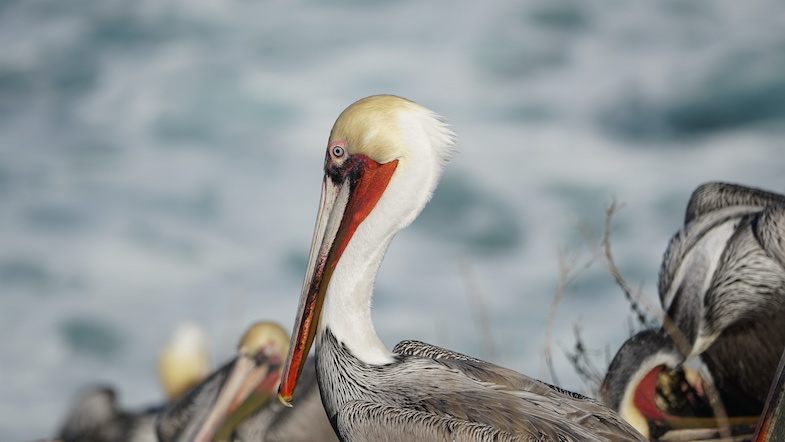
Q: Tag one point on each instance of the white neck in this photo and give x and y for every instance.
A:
(347, 305)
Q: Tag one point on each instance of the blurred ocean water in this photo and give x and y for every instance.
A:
(160, 162)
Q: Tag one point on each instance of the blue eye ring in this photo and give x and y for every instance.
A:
(338, 151)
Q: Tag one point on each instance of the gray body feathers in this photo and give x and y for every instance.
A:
(429, 393)
(723, 275)
(95, 417)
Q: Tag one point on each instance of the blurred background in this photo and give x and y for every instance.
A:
(160, 161)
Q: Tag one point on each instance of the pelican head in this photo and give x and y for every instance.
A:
(264, 335)
(648, 385)
(250, 383)
(384, 158)
(184, 361)
(94, 410)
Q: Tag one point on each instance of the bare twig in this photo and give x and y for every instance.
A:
(558, 294)
(717, 407)
(568, 271)
(479, 311)
(582, 364)
(643, 319)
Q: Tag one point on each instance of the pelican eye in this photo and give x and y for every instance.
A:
(260, 358)
(338, 151)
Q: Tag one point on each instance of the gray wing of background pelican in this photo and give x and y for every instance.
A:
(770, 231)
(712, 207)
(272, 422)
(188, 412)
(751, 271)
(726, 269)
(95, 417)
(751, 266)
(713, 196)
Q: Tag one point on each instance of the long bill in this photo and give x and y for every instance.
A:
(771, 426)
(345, 202)
(249, 384)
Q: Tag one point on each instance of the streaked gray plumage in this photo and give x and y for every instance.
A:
(430, 393)
(192, 407)
(273, 422)
(95, 417)
(722, 280)
(723, 277)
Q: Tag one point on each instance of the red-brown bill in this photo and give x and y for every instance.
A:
(349, 194)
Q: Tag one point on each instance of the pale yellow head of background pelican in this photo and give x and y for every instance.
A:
(384, 158)
(184, 361)
(264, 334)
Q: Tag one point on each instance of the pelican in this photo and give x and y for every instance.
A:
(384, 158)
(722, 282)
(184, 361)
(649, 387)
(630, 384)
(234, 401)
(96, 417)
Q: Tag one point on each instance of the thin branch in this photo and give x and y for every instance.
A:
(717, 407)
(477, 303)
(643, 319)
(558, 294)
(582, 363)
(567, 274)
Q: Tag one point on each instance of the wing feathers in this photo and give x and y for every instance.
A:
(716, 195)
(505, 399)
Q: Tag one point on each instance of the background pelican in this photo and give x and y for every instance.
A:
(184, 361)
(96, 417)
(722, 282)
(234, 402)
(649, 387)
(384, 158)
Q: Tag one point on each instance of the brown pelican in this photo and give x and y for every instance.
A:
(722, 282)
(649, 387)
(234, 401)
(630, 384)
(96, 417)
(184, 361)
(384, 158)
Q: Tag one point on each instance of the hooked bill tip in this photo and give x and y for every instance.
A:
(286, 401)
